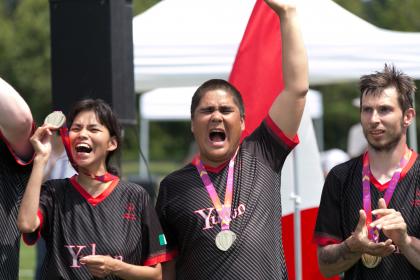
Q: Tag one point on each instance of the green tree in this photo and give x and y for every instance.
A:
(32, 55)
(25, 52)
(399, 15)
(339, 113)
(140, 6)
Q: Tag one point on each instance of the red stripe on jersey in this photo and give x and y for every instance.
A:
(165, 257)
(324, 241)
(32, 237)
(291, 143)
(94, 200)
(216, 169)
(383, 187)
(15, 156)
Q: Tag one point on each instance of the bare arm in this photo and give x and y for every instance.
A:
(15, 119)
(287, 109)
(102, 266)
(28, 220)
(336, 258)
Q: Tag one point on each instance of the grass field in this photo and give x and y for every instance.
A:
(27, 262)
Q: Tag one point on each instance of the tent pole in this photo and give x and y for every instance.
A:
(412, 135)
(412, 131)
(144, 147)
(296, 219)
(144, 143)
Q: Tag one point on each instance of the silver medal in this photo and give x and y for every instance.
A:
(225, 239)
(56, 118)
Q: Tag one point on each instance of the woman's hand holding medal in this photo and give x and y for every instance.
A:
(41, 139)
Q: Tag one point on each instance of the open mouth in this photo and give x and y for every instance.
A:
(217, 136)
(83, 148)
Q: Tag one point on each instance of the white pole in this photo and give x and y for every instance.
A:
(297, 228)
(144, 143)
(412, 131)
(412, 135)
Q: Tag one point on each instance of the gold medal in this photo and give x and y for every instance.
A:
(370, 261)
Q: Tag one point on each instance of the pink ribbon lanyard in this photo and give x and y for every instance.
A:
(373, 233)
(224, 210)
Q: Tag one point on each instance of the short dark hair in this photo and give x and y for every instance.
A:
(390, 77)
(215, 84)
(106, 117)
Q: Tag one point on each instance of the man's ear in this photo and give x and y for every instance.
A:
(408, 117)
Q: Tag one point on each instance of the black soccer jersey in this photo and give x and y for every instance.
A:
(13, 177)
(338, 214)
(121, 223)
(191, 223)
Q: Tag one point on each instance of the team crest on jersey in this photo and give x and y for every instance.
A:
(416, 202)
(130, 212)
(211, 218)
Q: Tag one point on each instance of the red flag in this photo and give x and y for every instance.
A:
(257, 74)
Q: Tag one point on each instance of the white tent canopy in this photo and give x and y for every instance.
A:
(185, 42)
(174, 104)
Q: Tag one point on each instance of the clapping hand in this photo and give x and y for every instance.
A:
(360, 242)
(392, 224)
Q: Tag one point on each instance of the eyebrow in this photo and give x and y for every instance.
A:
(220, 107)
(89, 125)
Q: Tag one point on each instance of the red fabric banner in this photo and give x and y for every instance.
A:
(256, 72)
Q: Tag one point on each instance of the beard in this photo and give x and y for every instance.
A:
(389, 144)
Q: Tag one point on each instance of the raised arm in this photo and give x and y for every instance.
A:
(28, 220)
(15, 120)
(287, 108)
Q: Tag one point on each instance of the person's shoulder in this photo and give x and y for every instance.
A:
(56, 185)
(180, 174)
(131, 187)
(347, 166)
